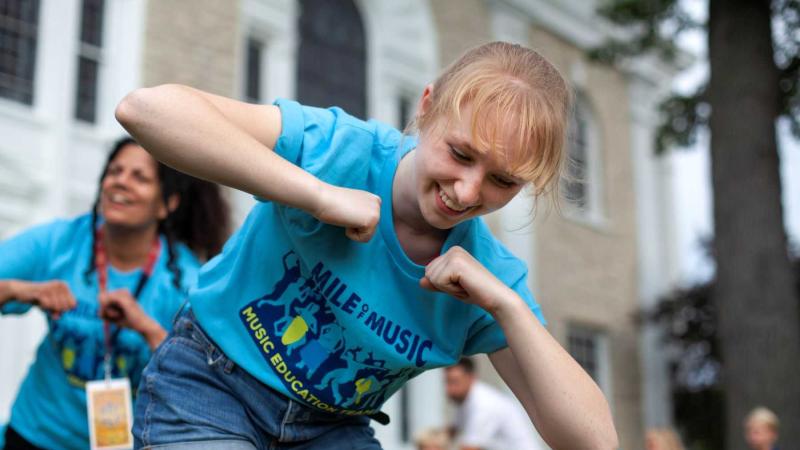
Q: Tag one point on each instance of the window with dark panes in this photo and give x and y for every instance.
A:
(252, 82)
(331, 67)
(89, 60)
(19, 23)
(575, 186)
(583, 346)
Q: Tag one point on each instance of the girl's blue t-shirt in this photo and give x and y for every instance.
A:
(333, 323)
(50, 408)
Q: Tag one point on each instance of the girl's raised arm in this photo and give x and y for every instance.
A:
(217, 139)
(562, 400)
(568, 408)
(230, 142)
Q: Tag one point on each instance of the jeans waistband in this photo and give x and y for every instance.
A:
(186, 325)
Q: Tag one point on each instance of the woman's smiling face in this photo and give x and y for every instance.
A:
(131, 191)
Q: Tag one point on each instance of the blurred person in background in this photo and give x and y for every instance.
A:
(110, 282)
(486, 418)
(761, 429)
(662, 439)
(433, 439)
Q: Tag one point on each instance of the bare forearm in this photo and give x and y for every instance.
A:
(196, 137)
(569, 409)
(7, 291)
(153, 334)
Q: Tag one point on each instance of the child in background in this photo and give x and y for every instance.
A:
(761, 429)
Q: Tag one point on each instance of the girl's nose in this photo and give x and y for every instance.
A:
(468, 190)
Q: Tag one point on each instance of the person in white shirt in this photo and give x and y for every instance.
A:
(486, 418)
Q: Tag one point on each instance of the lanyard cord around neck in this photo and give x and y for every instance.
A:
(101, 266)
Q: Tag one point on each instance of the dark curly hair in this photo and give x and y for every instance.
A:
(201, 220)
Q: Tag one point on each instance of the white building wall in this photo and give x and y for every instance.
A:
(658, 266)
(49, 163)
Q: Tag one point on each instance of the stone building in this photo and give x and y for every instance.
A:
(593, 263)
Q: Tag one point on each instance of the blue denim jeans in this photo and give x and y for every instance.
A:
(191, 396)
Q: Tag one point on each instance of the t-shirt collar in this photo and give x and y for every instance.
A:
(386, 225)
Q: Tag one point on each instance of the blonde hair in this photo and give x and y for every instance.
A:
(432, 437)
(664, 439)
(765, 416)
(507, 85)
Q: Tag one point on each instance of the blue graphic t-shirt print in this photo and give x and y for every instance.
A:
(78, 340)
(298, 335)
(336, 324)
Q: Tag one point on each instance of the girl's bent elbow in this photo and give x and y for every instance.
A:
(610, 441)
(129, 108)
(135, 107)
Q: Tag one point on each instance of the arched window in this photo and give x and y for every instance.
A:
(331, 67)
(581, 186)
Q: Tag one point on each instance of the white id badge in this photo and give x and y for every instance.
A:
(108, 403)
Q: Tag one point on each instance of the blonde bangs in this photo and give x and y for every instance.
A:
(519, 107)
(514, 123)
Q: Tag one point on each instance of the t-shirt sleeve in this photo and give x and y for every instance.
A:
(485, 334)
(327, 143)
(24, 257)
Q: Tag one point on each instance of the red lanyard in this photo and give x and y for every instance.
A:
(101, 266)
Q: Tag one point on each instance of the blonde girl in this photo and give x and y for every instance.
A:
(364, 264)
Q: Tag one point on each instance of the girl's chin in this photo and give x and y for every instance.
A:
(440, 221)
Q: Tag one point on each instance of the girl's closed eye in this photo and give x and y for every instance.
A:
(458, 155)
(503, 182)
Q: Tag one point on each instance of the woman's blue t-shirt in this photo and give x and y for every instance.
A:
(337, 324)
(50, 408)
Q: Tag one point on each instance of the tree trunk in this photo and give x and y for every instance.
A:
(759, 313)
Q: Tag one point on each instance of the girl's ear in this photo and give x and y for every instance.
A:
(425, 100)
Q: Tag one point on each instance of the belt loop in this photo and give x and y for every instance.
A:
(380, 417)
(288, 418)
(229, 366)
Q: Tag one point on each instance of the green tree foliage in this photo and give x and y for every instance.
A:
(651, 27)
(688, 318)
